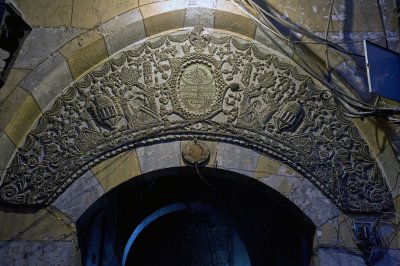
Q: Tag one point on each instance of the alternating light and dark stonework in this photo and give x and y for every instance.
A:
(205, 86)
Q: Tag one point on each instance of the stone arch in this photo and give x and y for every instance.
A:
(89, 189)
(83, 54)
(110, 174)
(254, 97)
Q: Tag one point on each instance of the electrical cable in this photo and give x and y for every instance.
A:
(352, 107)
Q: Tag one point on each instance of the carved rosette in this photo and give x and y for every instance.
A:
(190, 84)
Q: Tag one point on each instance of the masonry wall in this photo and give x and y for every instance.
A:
(69, 38)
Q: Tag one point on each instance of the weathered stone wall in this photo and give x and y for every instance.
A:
(70, 38)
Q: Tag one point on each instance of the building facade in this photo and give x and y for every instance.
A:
(123, 119)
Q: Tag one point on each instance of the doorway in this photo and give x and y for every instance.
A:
(177, 216)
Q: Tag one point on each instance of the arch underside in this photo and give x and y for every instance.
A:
(195, 85)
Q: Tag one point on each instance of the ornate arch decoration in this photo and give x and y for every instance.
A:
(190, 84)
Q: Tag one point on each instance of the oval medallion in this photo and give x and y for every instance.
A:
(197, 91)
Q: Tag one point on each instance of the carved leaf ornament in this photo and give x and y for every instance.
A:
(189, 85)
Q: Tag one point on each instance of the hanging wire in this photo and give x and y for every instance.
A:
(351, 106)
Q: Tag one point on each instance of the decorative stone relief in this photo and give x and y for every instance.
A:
(196, 153)
(189, 85)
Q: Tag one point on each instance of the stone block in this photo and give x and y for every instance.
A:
(6, 154)
(14, 78)
(236, 158)
(146, 2)
(22, 119)
(228, 6)
(312, 202)
(159, 156)
(277, 176)
(396, 202)
(41, 43)
(265, 37)
(267, 167)
(90, 13)
(352, 16)
(160, 7)
(336, 232)
(164, 22)
(199, 16)
(123, 31)
(234, 23)
(84, 52)
(282, 183)
(391, 167)
(374, 134)
(117, 170)
(11, 104)
(213, 152)
(46, 13)
(38, 225)
(79, 196)
(203, 3)
(336, 257)
(48, 79)
(26, 253)
(353, 77)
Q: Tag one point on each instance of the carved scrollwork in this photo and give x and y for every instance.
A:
(209, 86)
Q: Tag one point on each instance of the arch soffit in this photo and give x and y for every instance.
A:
(236, 105)
(166, 157)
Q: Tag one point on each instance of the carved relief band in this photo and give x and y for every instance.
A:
(187, 85)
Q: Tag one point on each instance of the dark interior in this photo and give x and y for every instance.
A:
(271, 229)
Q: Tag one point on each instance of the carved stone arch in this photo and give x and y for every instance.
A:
(210, 86)
(156, 160)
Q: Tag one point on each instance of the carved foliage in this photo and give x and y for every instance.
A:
(210, 86)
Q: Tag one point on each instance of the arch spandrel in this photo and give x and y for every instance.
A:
(192, 84)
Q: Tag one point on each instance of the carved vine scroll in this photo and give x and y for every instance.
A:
(209, 86)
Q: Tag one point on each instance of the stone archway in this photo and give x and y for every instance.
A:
(243, 206)
(210, 86)
(62, 66)
(132, 165)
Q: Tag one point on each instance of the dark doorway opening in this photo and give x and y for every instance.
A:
(196, 235)
(250, 219)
